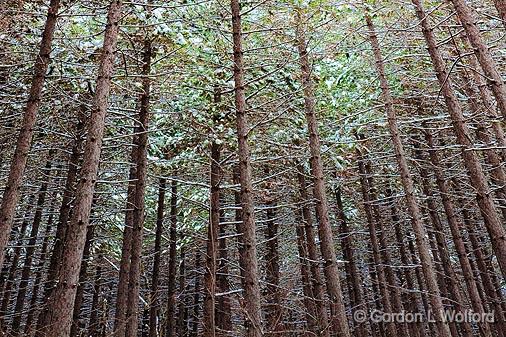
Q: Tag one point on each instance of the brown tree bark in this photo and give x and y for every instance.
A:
(77, 320)
(488, 210)
(224, 305)
(170, 327)
(196, 295)
(373, 236)
(209, 319)
(24, 141)
(273, 311)
(141, 163)
(61, 301)
(352, 273)
(66, 203)
(16, 254)
(250, 265)
(339, 322)
(38, 278)
(482, 53)
(314, 259)
(411, 300)
(456, 232)
(154, 305)
(30, 250)
(94, 322)
(305, 277)
(407, 182)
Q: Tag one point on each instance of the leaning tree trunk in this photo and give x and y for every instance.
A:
(484, 198)
(482, 53)
(61, 301)
(30, 250)
(407, 182)
(253, 319)
(339, 320)
(18, 164)
(456, 232)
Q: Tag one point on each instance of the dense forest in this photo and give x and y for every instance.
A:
(252, 168)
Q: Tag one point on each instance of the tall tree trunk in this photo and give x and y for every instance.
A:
(64, 212)
(77, 319)
(352, 273)
(140, 187)
(38, 278)
(273, 312)
(407, 182)
(209, 320)
(412, 303)
(488, 210)
(331, 271)
(30, 250)
(308, 301)
(120, 314)
(223, 312)
(61, 301)
(196, 295)
(182, 311)
(251, 285)
(18, 164)
(482, 53)
(93, 325)
(11, 277)
(456, 232)
(379, 266)
(314, 259)
(170, 327)
(154, 294)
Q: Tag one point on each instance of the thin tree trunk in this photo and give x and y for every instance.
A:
(305, 277)
(371, 221)
(11, 277)
(250, 267)
(196, 295)
(488, 210)
(482, 53)
(30, 250)
(182, 311)
(352, 273)
(154, 295)
(456, 232)
(64, 212)
(61, 301)
(223, 314)
(29, 328)
(120, 314)
(273, 312)
(314, 259)
(412, 303)
(171, 297)
(140, 187)
(339, 322)
(93, 324)
(407, 182)
(24, 141)
(77, 326)
(209, 320)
